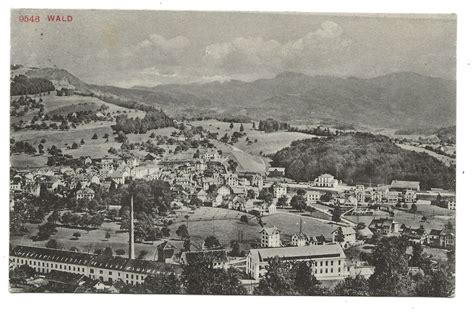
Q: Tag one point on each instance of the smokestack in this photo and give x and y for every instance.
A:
(131, 238)
(301, 225)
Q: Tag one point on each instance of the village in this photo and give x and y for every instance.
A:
(265, 215)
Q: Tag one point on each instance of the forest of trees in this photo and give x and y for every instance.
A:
(23, 85)
(153, 120)
(271, 125)
(362, 158)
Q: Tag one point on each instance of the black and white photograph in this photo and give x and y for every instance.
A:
(232, 153)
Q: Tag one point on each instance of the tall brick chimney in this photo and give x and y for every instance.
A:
(131, 238)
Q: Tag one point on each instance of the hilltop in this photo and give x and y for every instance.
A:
(362, 158)
(399, 100)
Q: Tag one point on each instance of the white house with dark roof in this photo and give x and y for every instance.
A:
(270, 237)
(325, 180)
(327, 261)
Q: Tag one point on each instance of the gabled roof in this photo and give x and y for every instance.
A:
(405, 184)
(270, 230)
(292, 253)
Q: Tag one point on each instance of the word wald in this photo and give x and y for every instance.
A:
(59, 18)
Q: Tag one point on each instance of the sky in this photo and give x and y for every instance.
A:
(147, 48)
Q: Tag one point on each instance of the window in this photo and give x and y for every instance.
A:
(331, 269)
(320, 271)
(101, 272)
(339, 262)
(60, 267)
(92, 270)
(339, 270)
(327, 263)
(118, 274)
(126, 275)
(332, 262)
(69, 267)
(110, 273)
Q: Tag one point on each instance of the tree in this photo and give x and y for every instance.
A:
(165, 231)
(235, 248)
(282, 201)
(107, 253)
(53, 244)
(74, 145)
(326, 197)
(94, 137)
(76, 235)
(440, 283)
(120, 252)
(211, 242)
(54, 217)
(352, 286)
(182, 231)
(244, 219)
(82, 141)
(298, 202)
(339, 236)
(336, 214)
(199, 277)
(390, 277)
(107, 236)
(231, 125)
(142, 254)
(304, 281)
(277, 280)
(187, 220)
(162, 284)
(251, 194)
(413, 208)
(266, 195)
(241, 127)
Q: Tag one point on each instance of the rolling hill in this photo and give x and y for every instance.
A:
(362, 158)
(398, 100)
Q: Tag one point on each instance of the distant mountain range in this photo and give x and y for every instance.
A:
(397, 100)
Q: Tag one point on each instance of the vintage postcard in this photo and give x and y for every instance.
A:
(232, 153)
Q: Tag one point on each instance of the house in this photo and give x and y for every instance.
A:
(224, 190)
(167, 251)
(392, 197)
(110, 270)
(349, 236)
(279, 190)
(33, 189)
(402, 185)
(118, 177)
(312, 196)
(276, 172)
(218, 258)
(85, 193)
(15, 184)
(107, 164)
(270, 237)
(409, 196)
(440, 238)
(299, 239)
(202, 195)
(217, 200)
(327, 261)
(325, 180)
(452, 204)
(384, 226)
(150, 157)
(415, 235)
